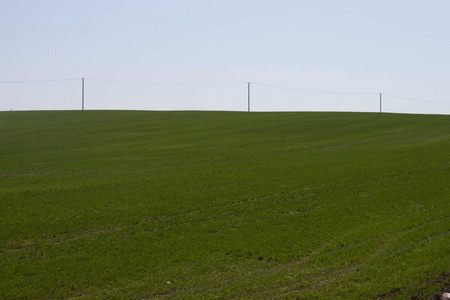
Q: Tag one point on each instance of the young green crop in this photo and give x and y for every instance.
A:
(129, 204)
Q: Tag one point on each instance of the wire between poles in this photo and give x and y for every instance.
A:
(39, 81)
(219, 84)
(311, 91)
(165, 84)
(346, 93)
(417, 100)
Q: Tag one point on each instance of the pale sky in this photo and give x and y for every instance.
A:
(398, 47)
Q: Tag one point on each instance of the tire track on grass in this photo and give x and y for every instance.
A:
(300, 194)
(345, 271)
(329, 277)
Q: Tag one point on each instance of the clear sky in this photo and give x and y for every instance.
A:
(398, 47)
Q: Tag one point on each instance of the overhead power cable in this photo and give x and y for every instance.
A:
(310, 91)
(417, 100)
(164, 84)
(39, 81)
(219, 84)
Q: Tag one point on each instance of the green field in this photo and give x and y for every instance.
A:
(123, 204)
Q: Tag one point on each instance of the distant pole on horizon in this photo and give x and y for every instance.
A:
(381, 99)
(82, 93)
(248, 96)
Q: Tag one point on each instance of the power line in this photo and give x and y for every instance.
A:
(39, 81)
(311, 91)
(121, 81)
(218, 84)
(165, 84)
(417, 100)
(345, 93)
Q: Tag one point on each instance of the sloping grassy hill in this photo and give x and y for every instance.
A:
(134, 205)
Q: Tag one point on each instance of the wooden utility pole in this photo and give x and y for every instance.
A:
(381, 99)
(82, 93)
(248, 96)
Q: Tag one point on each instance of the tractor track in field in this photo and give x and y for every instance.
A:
(321, 276)
(297, 194)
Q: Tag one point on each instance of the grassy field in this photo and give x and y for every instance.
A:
(120, 204)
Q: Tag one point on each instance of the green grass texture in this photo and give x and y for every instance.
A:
(294, 205)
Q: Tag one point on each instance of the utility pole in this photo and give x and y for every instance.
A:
(381, 99)
(248, 96)
(82, 93)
